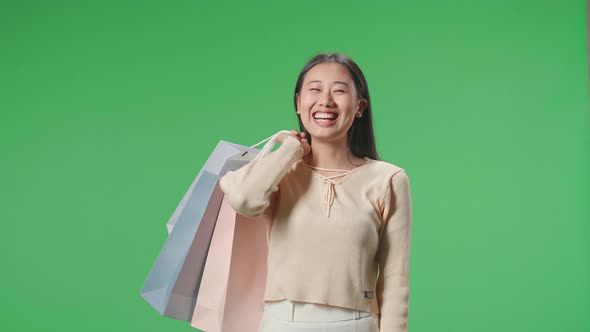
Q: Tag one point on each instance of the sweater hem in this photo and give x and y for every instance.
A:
(365, 308)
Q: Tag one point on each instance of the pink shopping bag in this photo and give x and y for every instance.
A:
(231, 295)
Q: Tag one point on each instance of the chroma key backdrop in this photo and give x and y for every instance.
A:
(109, 109)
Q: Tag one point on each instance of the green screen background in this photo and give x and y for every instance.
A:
(109, 109)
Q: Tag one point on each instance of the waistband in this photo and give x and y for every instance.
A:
(293, 311)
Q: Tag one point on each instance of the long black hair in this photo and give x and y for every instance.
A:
(361, 139)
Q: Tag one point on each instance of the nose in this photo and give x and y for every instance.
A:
(325, 99)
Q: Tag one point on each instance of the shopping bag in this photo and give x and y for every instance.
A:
(172, 284)
(231, 295)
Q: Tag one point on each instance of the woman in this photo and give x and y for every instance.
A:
(339, 219)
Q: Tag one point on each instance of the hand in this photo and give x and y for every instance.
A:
(301, 137)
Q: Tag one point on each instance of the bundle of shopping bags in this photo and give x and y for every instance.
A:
(211, 270)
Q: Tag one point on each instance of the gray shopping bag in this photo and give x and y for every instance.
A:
(173, 282)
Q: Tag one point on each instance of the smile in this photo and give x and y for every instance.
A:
(325, 119)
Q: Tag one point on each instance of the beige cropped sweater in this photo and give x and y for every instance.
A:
(336, 241)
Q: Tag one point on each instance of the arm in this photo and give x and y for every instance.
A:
(249, 188)
(393, 284)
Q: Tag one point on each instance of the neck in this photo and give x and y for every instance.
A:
(332, 155)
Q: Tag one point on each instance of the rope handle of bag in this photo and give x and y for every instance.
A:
(269, 145)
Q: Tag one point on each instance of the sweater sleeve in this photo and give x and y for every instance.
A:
(393, 283)
(249, 188)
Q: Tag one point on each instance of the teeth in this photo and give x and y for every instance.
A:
(325, 116)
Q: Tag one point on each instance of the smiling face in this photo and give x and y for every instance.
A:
(328, 102)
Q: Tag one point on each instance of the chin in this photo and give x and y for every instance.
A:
(326, 134)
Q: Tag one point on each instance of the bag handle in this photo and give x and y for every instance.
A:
(269, 145)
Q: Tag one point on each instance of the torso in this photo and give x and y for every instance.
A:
(336, 230)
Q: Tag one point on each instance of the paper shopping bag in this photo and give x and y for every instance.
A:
(231, 295)
(173, 282)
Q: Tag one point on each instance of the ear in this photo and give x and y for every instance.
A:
(297, 103)
(361, 106)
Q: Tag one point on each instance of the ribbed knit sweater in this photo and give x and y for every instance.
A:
(340, 241)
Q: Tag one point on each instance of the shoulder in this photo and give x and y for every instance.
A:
(388, 175)
(385, 170)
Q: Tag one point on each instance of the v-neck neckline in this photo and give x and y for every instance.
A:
(338, 179)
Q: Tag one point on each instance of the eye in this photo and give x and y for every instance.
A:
(339, 90)
(315, 89)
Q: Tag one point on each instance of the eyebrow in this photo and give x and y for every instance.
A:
(317, 81)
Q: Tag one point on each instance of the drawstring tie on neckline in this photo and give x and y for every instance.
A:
(330, 191)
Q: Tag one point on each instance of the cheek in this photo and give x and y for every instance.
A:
(307, 100)
(305, 108)
(345, 101)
